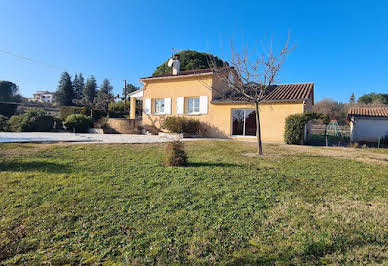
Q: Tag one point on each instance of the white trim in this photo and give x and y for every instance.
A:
(147, 106)
(167, 106)
(203, 104)
(180, 105)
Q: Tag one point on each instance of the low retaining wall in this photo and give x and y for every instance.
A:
(123, 125)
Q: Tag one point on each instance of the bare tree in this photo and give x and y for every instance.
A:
(252, 77)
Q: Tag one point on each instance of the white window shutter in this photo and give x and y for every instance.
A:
(147, 106)
(167, 106)
(203, 104)
(180, 105)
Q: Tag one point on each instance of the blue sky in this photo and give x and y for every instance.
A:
(339, 45)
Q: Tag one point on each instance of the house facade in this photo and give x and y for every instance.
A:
(368, 124)
(202, 95)
(43, 97)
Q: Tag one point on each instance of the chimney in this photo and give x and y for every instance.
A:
(176, 65)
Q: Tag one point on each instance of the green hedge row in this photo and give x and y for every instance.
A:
(295, 124)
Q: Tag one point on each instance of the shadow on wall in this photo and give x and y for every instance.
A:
(208, 130)
(156, 124)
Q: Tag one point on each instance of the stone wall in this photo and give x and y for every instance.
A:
(123, 125)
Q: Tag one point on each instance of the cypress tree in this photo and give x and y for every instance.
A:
(90, 89)
(78, 86)
(64, 94)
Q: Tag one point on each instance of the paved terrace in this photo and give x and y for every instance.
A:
(10, 137)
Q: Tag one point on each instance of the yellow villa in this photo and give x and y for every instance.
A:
(201, 95)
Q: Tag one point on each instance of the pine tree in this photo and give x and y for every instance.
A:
(78, 86)
(106, 87)
(352, 98)
(90, 89)
(64, 94)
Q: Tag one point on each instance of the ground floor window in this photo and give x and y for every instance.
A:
(159, 106)
(243, 122)
(193, 105)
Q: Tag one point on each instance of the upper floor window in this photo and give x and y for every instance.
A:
(193, 105)
(159, 106)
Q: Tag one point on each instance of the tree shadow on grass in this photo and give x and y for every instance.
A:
(17, 166)
(207, 164)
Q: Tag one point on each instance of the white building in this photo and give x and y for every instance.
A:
(368, 124)
(43, 96)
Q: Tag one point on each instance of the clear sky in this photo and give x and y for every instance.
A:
(341, 46)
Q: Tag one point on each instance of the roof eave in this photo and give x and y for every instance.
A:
(176, 76)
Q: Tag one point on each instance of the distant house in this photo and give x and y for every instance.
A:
(368, 124)
(43, 97)
(202, 95)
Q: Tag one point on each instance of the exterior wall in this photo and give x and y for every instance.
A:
(123, 125)
(218, 120)
(368, 129)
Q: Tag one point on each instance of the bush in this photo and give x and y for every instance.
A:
(31, 121)
(78, 123)
(295, 124)
(116, 109)
(179, 124)
(8, 109)
(65, 111)
(3, 123)
(176, 155)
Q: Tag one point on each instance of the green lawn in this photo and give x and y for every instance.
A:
(118, 204)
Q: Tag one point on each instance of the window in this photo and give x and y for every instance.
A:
(244, 122)
(193, 105)
(159, 106)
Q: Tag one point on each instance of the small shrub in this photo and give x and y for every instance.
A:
(176, 155)
(179, 124)
(65, 111)
(295, 124)
(3, 123)
(78, 123)
(14, 123)
(31, 121)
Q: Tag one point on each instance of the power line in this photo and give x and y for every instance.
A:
(40, 62)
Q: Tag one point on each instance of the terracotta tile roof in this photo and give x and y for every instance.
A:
(276, 93)
(368, 111)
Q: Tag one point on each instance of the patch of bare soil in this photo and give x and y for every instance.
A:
(362, 155)
(253, 154)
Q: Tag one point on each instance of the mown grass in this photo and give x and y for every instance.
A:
(118, 204)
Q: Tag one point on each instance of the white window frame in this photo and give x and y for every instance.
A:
(194, 99)
(162, 105)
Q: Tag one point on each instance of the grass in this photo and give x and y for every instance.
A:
(92, 204)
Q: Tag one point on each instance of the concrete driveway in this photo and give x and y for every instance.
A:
(10, 137)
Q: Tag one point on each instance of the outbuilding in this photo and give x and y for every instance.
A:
(368, 124)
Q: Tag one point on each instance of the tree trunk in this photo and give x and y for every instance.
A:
(258, 131)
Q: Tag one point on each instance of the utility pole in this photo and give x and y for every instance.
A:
(125, 95)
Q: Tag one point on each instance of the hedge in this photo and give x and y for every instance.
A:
(3, 123)
(295, 125)
(8, 109)
(65, 111)
(31, 121)
(179, 124)
(78, 123)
